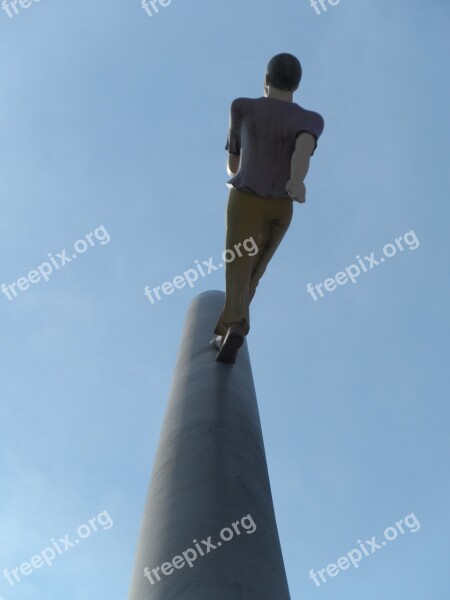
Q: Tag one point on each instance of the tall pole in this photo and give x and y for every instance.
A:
(208, 530)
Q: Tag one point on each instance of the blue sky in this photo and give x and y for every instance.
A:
(111, 118)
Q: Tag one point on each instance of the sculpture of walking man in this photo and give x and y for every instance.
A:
(270, 142)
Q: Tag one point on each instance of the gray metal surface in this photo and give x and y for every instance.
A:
(210, 471)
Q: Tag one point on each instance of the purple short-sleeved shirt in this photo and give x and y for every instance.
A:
(263, 131)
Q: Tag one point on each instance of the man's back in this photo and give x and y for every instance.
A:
(264, 131)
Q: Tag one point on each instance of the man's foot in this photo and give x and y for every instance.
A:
(231, 344)
(216, 342)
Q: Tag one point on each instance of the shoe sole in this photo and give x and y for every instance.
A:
(230, 347)
(216, 344)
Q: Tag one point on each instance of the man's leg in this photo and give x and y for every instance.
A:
(244, 220)
(278, 216)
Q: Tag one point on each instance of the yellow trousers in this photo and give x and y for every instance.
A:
(265, 220)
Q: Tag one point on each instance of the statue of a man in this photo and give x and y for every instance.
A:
(270, 142)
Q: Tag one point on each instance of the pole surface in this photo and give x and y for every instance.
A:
(210, 471)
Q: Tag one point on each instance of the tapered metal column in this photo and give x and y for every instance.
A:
(210, 471)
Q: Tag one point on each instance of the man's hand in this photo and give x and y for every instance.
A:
(233, 164)
(296, 190)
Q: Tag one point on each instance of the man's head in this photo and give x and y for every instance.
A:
(284, 72)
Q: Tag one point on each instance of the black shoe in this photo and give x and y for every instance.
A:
(231, 344)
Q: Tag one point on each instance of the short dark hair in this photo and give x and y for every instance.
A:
(284, 72)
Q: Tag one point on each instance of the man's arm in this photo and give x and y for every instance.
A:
(304, 147)
(234, 136)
